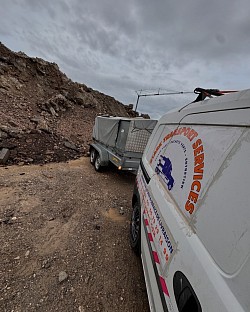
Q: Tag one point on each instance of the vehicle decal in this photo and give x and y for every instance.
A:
(165, 169)
(159, 242)
(179, 161)
(157, 229)
(156, 258)
(162, 286)
(197, 176)
(157, 261)
(150, 237)
(187, 132)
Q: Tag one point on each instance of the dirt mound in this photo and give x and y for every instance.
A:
(45, 116)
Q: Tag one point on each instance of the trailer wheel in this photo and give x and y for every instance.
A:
(92, 156)
(135, 229)
(97, 163)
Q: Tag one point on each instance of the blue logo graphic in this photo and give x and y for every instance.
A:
(164, 167)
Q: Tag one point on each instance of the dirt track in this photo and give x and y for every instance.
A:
(65, 221)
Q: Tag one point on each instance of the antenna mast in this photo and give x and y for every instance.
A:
(144, 93)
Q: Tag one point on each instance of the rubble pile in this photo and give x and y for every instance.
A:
(44, 115)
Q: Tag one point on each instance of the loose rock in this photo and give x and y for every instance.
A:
(4, 155)
(70, 146)
(62, 276)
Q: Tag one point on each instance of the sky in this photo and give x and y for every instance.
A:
(119, 47)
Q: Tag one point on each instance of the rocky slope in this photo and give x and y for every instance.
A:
(45, 116)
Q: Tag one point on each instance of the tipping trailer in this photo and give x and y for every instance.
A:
(119, 140)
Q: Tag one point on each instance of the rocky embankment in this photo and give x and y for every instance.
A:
(45, 116)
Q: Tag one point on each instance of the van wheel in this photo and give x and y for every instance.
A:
(135, 229)
(97, 163)
(92, 156)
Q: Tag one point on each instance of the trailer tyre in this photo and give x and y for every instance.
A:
(92, 156)
(135, 229)
(97, 163)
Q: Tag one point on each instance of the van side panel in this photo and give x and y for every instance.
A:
(195, 207)
(223, 218)
(183, 161)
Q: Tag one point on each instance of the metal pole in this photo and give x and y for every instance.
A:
(153, 94)
(138, 96)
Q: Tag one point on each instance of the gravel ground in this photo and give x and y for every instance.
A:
(65, 240)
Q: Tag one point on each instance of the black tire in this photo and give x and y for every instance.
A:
(135, 229)
(92, 156)
(97, 163)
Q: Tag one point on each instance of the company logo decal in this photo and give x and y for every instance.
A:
(164, 167)
(168, 161)
(187, 132)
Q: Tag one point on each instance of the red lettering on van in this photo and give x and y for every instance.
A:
(199, 159)
(155, 152)
(187, 132)
(189, 207)
(196, 144)
(192, 134)
(193, 196)
(194, 193)
(198, 150)
(196, 186)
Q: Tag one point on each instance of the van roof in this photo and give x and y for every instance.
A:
(125, 118)
(227, 101)
(231, 101)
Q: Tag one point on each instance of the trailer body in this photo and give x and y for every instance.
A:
(120, 140)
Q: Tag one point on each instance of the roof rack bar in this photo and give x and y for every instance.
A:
(203, 93)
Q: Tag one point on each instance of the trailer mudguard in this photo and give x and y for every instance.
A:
(102, 152)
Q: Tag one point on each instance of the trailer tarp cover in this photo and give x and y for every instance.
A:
(105, 130)
(126, 134)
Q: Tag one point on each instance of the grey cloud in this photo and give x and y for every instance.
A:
(190, 29)
(37, 6)
(120, 46)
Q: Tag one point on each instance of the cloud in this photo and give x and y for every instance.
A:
(118, 46)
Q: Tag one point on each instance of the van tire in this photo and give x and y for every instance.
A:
(135, 229)
(97, 163)
(92, 156)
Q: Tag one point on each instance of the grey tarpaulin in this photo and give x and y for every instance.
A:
(124, 134)
(105, 130)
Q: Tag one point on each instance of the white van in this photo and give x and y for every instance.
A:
(191, 208)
